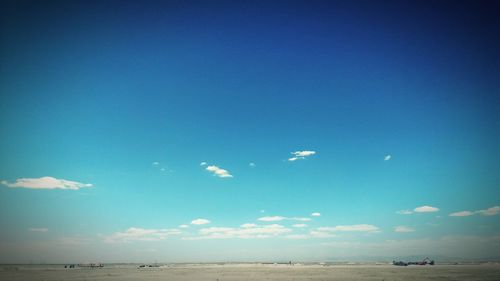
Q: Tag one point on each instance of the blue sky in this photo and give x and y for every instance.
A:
(129, 129)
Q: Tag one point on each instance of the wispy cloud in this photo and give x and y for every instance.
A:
(38, 229)
(299, 219)
(299, 155)
(219, 172)
(353, 227)
(280, 218)
(300, 225)
(248, 225)
(320, 234)
(387, 157)
(200, 221)
(461, 246)
(462, 214)
(183, 226)
(296, 236)
(272, 218)
(403, 228)
(46, 183)
(490, 211)
(264, 231)
(141, 234)
(426, 209)
(315, 214)
(162, 168)
(328, 232)
(251, 164)
(203, 163)
(487, 212)
(421, 209)
(77, 240)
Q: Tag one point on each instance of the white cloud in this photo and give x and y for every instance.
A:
(299, 219)
(203, 163)
(200, 221)
(221, 173)
(462, 214)
(248, 225)
(311, 235)
(251, 164)
(454, 246)
(46, 183)
(215, 229)
(421, 209)
(490, 211)
(354, 227)
(402, 228)
(299, 155)
(404, 212)
(156, 163)
(304, 153)
(280, 218)
(272, 218)
(296, 236)
(300, 225)
(38, 229)
(320, 234)
(183, 226)
(141, 234)
(316, 214)
(265, 231)
(387, 157)
(77, 241)
(426, 209)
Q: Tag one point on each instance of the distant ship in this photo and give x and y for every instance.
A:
(425, 261)
(91, 265)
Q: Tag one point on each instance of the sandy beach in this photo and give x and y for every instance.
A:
(255, 272)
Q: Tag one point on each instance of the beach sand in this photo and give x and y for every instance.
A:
(255, 272)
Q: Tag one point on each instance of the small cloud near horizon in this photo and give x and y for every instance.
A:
(490, 211)
(387, 157)
(246, 231)
(487, 212)
(46, 183)
(300, 155)
(425, 209)
(280, 218)
(200, 221)
(403, 229)
(140, 234)
(219, 172)
(461, 214)
(38, 229)
(272, 218)
(353, 227)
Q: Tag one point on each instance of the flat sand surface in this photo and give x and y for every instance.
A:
(257, 272)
